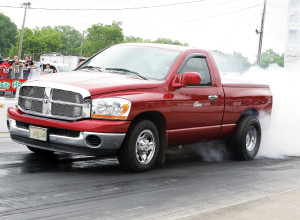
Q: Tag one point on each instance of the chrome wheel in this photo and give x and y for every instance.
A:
(145, 147)
(251, 138)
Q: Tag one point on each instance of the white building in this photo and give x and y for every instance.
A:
(292, 50)
(58, 58)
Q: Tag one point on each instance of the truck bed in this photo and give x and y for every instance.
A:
(237, 83)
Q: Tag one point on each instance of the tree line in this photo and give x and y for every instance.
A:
(67, 40)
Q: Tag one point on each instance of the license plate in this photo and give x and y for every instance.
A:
(38, 133)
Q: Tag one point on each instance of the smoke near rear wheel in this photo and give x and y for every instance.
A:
(245, 142)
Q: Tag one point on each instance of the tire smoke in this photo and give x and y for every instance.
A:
(282, 137)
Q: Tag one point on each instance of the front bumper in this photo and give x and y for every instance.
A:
(72, 139)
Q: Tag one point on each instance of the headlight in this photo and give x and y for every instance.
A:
(111, 108)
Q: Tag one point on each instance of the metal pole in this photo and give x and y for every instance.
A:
(27, 4)
(82, 43)
(261, 34)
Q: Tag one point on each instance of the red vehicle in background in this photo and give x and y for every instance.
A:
(135, 100)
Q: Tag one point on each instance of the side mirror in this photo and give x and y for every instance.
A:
(188, 78)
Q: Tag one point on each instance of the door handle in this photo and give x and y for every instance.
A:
(212, 97)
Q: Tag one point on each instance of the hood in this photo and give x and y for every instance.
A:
(99, 82)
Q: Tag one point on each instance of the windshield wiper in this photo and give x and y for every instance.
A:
(92, 67)
(127, 71)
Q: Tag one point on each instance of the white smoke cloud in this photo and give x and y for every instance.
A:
(282, 138)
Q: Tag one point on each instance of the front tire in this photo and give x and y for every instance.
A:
(140, 148)
(245, 142)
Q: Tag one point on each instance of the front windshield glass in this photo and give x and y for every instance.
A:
(143, 62)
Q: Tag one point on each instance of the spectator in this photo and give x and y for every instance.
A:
(14, 60)
(5, 64)
(28, 63)
(10, 62)
(48, 70)
(16, 68)
(17, 63)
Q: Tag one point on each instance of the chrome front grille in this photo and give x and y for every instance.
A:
(66, 110)
(31, 105)
(32, 91)
(66, 96)
(54, 102)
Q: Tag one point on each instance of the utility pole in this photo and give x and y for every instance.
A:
(82, 43)
(261, 32)
(26, 4)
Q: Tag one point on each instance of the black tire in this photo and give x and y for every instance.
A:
(132, 154)
(244, 143)
(40, 151)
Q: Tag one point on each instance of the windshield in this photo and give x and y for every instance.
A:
(143, 62)
(64, 68)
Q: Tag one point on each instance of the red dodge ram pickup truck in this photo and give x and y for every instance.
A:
(135, 100)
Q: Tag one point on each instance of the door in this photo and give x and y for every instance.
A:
(197, 111)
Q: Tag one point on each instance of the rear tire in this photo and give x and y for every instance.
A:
(244, 143)
(140, 148)
(40, 151)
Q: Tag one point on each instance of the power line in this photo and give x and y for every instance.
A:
(151, 15)
(202, 18)
(107, 9)
(176, 12)
(236, 25)
(198, 19)
(163, 14)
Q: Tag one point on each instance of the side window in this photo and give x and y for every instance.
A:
(199, 65)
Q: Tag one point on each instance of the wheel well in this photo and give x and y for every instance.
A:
(247, 112)
(159, 121)
(156, 117)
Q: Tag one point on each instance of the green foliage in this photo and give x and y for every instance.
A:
(169, 41)
(28, 41)
(71, 40)
(46, 40)
(101, 36)
(269, 56)
(38, 41)
(8, 31)
(132, 39)
(234, 62)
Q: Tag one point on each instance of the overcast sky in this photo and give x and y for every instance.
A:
(226, 25)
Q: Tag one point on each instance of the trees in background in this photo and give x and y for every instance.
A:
(269, 56)
(37, 41)
(100, 36)
(234, 62)
(133, 39)
(8, 31)
(67, 40)
(70, 39)
(169, 41)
